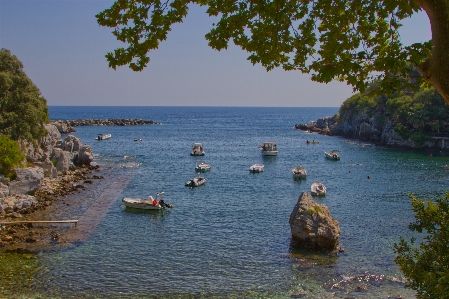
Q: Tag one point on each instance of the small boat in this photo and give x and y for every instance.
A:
(269, 149)
(333, 155)
(195, 182)
(202, 166)
(103, 136)
(149, 203)
(299, 172)
(197, 150)
(256, 168)
(138, 139)
(312, 142)
(318, 189)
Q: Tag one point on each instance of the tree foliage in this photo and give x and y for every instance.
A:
(353, 41)
(10, 155)
(426, 265)
(23, 111)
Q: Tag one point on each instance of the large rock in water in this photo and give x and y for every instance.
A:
(27, 181)
(312, 225)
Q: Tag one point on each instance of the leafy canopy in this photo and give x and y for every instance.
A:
(10, 155)
(353, 41)
(23, 111)
(427, 265)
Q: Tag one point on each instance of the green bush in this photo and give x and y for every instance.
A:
(426, 265)
(10, 156)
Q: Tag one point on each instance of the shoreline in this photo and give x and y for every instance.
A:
(96, 188)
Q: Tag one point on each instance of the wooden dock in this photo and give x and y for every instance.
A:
(38, 222)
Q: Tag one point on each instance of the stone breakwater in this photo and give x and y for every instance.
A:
(66, 126)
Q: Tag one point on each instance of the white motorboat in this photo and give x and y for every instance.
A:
(197, 150)
(195, 182)
(202, 166)
(333, 155)
(299, 172)
(149, 203)
(138, 139)
(269, 149)
(103, 136)
(256, 168)
(318, 189)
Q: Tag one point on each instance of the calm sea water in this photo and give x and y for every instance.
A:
(231, 238)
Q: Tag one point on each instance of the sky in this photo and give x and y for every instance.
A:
(62, 48)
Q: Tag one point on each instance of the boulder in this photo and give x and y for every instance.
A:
(85, 156)
(27, 181)
(72, 144)
(4, 190)
(63, 160)
(312, 225)
(50, 170)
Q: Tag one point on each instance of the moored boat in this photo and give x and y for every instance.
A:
(103, 136)
(318, 189)
(197, 150)
(256, 168)
(149, 203)
(195, 182)
(269, 149)
(333, 155)
(202, 166)
(299, 172)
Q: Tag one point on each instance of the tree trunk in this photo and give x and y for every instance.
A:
(436, 68)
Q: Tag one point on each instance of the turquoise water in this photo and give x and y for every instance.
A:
(230, 238)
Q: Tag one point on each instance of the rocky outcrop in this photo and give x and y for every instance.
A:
(312, 225)
(27, 181)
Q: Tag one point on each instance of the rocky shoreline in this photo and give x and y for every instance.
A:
(367, 129)
(54, 168)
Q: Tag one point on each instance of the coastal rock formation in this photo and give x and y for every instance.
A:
(368, 129)
(27, 181)
(312, 225)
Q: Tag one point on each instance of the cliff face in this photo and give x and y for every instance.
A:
(370, 127)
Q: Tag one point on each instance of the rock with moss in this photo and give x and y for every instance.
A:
(312, 225)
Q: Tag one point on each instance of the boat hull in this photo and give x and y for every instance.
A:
(141, 204)
(269, 153)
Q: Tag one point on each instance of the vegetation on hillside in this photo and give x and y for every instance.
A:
(23, 111)
(10, 156)
(413, 115)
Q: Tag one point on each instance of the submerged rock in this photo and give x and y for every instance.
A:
(312, 225)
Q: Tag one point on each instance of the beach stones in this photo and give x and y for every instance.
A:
(312, 225)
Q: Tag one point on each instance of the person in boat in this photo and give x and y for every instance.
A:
(155, 202)
(162, 203)
(307, 141)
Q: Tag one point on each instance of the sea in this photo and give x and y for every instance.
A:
(231, 238)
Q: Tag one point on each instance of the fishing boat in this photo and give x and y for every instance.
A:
(202, 166)
(312, 142)
(256, 168)
(318, 189)
(197, 150)
(149, 203)
(333, 155)
(196, 182)
(299, 172)
(103, 136)
(269, 149)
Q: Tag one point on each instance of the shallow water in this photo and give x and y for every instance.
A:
(230, 238)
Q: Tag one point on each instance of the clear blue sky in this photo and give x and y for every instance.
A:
(62, 48)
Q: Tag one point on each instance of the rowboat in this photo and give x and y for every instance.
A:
(333, 155)
(299, 172)
(269, 149)
(149, 203)
(202, 166)
(196, 182)
(256, 168)
(318, 189)
(103, 136)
